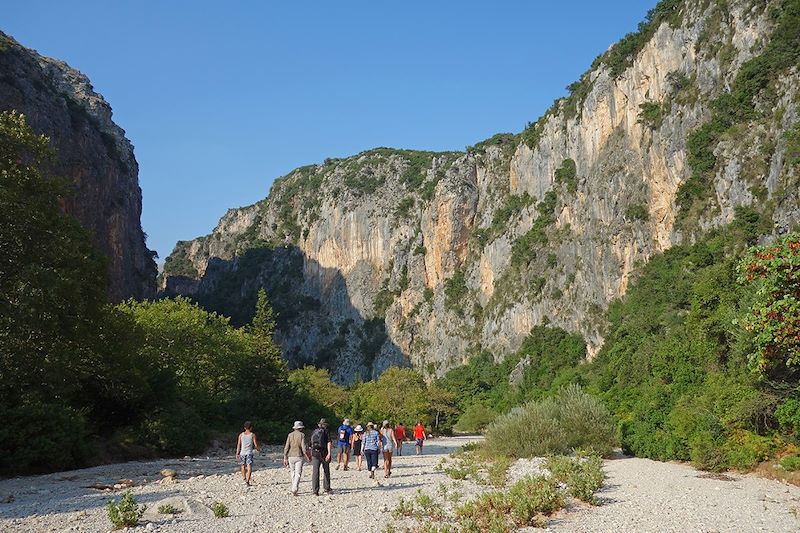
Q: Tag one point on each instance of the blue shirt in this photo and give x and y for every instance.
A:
(371, 440)
(348, 432)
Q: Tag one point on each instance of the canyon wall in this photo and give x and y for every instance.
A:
(395, 257)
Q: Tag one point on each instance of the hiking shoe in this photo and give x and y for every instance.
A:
(337, 467)
(347, 468)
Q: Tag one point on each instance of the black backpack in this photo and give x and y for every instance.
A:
(318, 440)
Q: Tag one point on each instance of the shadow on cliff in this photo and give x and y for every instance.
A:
(317, 322)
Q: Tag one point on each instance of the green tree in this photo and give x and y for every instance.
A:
(320, 396)
(53, 332)
(261, 384)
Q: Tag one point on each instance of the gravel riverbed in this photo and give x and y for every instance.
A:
(639, 496)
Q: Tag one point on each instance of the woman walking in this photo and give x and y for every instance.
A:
(389, 443)
(371, 445)
(295, 452)
(355, 444)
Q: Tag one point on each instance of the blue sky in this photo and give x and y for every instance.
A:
(220, 98)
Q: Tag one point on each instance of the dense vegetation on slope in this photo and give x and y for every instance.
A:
(699, 363)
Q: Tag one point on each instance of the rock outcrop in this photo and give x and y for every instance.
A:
(398, 257)
(93, 152)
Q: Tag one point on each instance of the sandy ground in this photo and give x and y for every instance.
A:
(639, 496)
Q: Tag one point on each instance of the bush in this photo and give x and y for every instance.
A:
(177, 430)
(583, 476)
(168, 509)
(220, 510)
(42, 437)
(744, 449)
(788, 415)
(571, 419)
(522, 506)
(125, 513)
(651, 115)
(790, 463)
(475, 418)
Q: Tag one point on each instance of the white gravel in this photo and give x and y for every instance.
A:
(640, 496)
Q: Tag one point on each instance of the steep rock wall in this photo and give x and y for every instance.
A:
(92, 152)
(422, 258)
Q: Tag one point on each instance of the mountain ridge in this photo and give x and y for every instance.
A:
(459, 252)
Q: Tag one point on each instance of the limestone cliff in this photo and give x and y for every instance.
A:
(92, 151)
(396, 257)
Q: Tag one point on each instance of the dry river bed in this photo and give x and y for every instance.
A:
(639, 496)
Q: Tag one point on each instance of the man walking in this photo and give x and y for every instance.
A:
(245, 445)
(294, 453)
(321, 456)
(419, 436)
(345, 433)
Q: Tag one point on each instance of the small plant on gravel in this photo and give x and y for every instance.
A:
(425, 506)
(220, 510)
(126, 512)
(525, 504)
(168, 508)
(498, 470)
(404, 508)
(582, 475)
(532, 497)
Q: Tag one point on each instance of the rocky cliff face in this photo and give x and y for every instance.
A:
(92, 151)
(396, 257)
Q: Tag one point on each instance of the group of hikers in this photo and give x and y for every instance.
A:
(362, 443)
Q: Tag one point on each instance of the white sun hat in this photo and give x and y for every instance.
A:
(298, 425)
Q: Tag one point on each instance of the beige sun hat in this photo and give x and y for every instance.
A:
(298, 425)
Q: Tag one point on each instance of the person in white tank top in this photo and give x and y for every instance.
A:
(245, 447)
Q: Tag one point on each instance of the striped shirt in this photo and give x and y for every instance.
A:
(371, 440)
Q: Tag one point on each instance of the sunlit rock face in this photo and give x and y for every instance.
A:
(398, 257)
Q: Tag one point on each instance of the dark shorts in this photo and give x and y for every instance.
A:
(344, 448)
(420, 441)
(246, 460)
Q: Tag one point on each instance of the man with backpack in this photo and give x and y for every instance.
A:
(345, 433)
(321, 456)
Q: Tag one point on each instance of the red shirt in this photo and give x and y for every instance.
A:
(419, 431)
(400, 433)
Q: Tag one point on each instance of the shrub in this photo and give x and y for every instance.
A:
(475, 418)
(26, 447)
(177, 429)
(745, 450)
(567, 174)
(571, 419)
(651, 115)
(637, 212)
(790, 463)
(220, 510)
(125, 513)
(788, 415)
(455, 289)
(583, 476)
(168, 508)
(523, 505)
